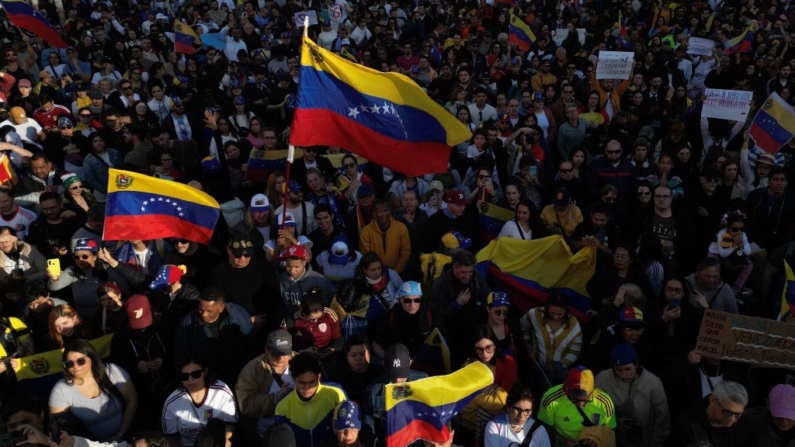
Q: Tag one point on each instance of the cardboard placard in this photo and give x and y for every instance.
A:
(732, 105)
(299, 18)
(614, 65)
(699, 46)
(745, 339)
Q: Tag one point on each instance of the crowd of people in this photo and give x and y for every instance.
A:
(318, 290)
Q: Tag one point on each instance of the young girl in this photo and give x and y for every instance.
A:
(733, 249)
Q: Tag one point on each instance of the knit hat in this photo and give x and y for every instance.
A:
(69, 178)
(623, 354)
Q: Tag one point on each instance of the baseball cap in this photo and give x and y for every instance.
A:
(410, 288)
(294, 186)
(623, 354)
(240, 246)
(294, 251)
(166, 275)
(498, 299)
(176, 101)
(455, 197)
(259, 203)
(347, 415)
(516, 61)
(631, 317)
(396, 362)
(95, 94)
(23, 83)
(237, 84)
(339, 253)
(280, 342)
(538, 96)
(364, 190)
(579, 381)
(286, 220)
(345, 42)
(139, 312)
(454, 239)
(436, 185)
(782, 401)
(503, 117)
(86, 245)
(64, 122)
(562, 197)
(239, 100)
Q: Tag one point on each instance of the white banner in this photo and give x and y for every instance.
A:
(614, 65)
(699, 46)
(299, 18)
(732, 105)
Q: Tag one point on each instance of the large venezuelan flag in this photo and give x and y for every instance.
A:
(741, 43)
(774, 124)
(184, 38)
(421, 409)
(526, 270)
(143, 207)
(38, 373)
(490, 221)
(520, 34)
(385, 117)
(788, 295)
(24, 16)
(262, 163)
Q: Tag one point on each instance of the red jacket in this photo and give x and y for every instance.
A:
(325, 329)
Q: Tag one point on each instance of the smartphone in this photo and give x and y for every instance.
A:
(55, 430)
(674, 303)
(54, 267)
(434, 199)
(533, 170)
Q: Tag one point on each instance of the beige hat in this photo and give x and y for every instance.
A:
(437, 186)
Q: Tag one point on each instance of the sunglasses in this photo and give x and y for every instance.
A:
(83, 257)
(191, 375)
(74, 188)
(66, 127)
(501, 312)
(127, 87)
(614, 152)
(412, 300)
(69, 364)
(487, 349)
(644, 193)
(609, 199)
(481, 177)
(88, 115)
(349, 165)
(181, 241)
(244, 255)
(566, 171)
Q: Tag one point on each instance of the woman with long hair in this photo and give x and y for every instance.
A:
(197, 395)
(101, 396)
(380, 283)
(64, 325)
(275, 189)
(731, 181)
(525, 225)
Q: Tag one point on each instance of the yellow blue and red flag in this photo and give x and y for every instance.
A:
(23, 15)
(491, 219)
(184, 38)
(788, 295)
(384, 117)
(433, 357)
(773, 124)
(741, 43)
(422, 409)
(519, 33)
(143, 207)
(8, 176)
(526, 270)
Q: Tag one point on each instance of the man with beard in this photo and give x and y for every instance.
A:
(54, 227)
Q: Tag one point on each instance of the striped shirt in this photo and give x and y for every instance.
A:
(183, 417)
(563, 345)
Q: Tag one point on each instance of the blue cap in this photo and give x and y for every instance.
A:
(211, 164)
(182, 79)
(516, 61)
(364, 191)
(415, 68)
(176, 100)
(623, 354)
(503, 117)
(538, 96)
(339, 253)
(239, 100)
(347, 415)
(64, 121)
(294, 186)
(410, 288)
(237, 84)
(498, 299)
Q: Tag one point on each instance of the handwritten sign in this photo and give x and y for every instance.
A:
(614, 65)
(335, 13)
(745, 339)
(732, 105)
(299, 18)
(699, 46)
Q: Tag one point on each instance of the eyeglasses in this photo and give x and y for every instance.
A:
(191, 375)
(524, 411)
(482, 177)
(412, 300)
(487, 349)
(86, 115)
(614, 152)
(644, 193)
(74, 188)
(736, 229)
(69, 364)
(728, 413)
(610, 199)
(566, 171)
(83, 257)
(349, 165)
(127, 87)
(674, 289)
(500, 312)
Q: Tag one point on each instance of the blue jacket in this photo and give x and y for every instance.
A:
(193, 335)
(601, 172)
(95, 171)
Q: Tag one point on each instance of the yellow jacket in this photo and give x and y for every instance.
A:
(393, 246)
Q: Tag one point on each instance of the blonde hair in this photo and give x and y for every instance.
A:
(62, 310)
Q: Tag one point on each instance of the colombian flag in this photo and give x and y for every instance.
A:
(520, 34)
(526, 270)
(788, 295)
(773, 125)
(184, 38)
(384, 117)
(143, 207)
(741, 43)
(24, 16)
(422, 409)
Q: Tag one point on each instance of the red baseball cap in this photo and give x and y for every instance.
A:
(139, 312)
(294, 251)
(455, 197)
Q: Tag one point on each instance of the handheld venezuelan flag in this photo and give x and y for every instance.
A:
(773, 124)
(8, 176)
(741, 43)
(788, 295)
(143, 207)
(26, 17)
(526, 270)
(422, 409)
(184, 38)
(385, 117)
(520, 34)
(491, 218)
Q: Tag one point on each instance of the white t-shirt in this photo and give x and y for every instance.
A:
(267, 421)
(181, 416)
(20, 221)
(500, 434)
(513, 230)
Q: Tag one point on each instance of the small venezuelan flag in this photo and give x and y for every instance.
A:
(24, 16)
(384, 117)
(184, 38)
(520, 34)
(143, 207)
(788, 295)
(773, 125)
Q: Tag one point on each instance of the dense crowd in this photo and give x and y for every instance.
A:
(319, 289)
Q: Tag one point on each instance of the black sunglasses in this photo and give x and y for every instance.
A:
(191, 375)
(412, 300)
(69, 364)
(83, 257)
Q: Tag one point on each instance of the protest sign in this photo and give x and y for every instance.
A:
(732, 105)
(299, 18)
(214, 40)
(614, 65)
(699, 46)
(335, 12)
(745, 339)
